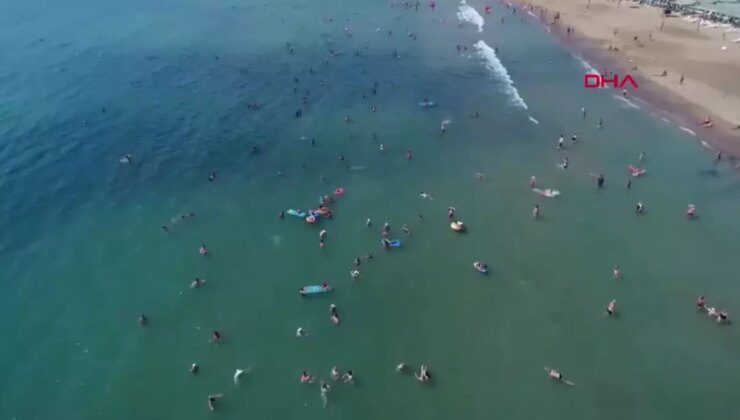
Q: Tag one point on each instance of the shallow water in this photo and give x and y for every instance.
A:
(84, 253)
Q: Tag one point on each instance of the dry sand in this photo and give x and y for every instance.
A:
(712, 74)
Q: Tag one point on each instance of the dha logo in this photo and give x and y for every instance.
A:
(595, 81)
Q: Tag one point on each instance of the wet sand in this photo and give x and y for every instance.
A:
(710, 86)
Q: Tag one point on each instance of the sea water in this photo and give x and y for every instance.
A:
(83, 252)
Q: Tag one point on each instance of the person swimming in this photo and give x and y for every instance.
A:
(561, 142)
(401, 367)
(600, 181)
(306, 377)
(701, 304)
(348, 377)
(127, 158)
(424, 375)
(536, 211)
(212, 176)
(300, 332)
(203, 250)
(639, 207)
(197, 283)
(322, 234)
(691, 211)
(574, 138)
(335, 373)
(564, 165)
(450, 212)
(355, 274)
(617, 274)
(554, 374)
(425, 196)
(143, 320)
(368, 222)
(193, 369)
(334, 314)
(600, 124)
(381, 148)
(405, 229)
(611, 308)
(532, 182)
(215, 337)
(212, 401)
(238, 375)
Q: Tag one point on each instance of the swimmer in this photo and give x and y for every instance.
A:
(536, 211)
(300, 332)
(424, 375)
(641, 157)
(479, 175)
(723, 317)
(408, 155)
(281, 215)
(583, 112)
(355, 274)
(574, 138)
(322, 234)
(401, 367)
(237, 376)
(197, 283)
(127, 158)
(611, 308)
(373, 109)
(193, 369)
(368, 222)
(639, 208)
(629, 183)
(334, 314)
(325, 388)
(600, 124)
(554, 374)
(348, 378)
(357, 262)
(616, 272)
(212, 176)
(382, 148)
(691, 211)
(347, 119)
(600, 181)
(561, 142)
(335, 373)
(306, 377)
(450, 212)
(564, 165)
(406, 230)
(165, 228)
(532, 181)
(216, 337)
(143, 320)
(701, 303)
(212, 401)
(203, 250)
(425, 196)
(386, 227)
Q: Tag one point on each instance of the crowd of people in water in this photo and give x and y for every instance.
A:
(423, 375)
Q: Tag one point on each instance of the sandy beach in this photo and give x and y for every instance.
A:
(642, 42)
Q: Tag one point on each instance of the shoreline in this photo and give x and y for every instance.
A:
(663, 96)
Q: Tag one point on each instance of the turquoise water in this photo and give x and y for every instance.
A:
(84, 254)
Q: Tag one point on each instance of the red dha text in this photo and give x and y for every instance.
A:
(595, 81)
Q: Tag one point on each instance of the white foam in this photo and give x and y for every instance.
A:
(687, 130)
(529, 12)
(586, 65)
(706, 145)
(627, 102)
(534, 120)
(665, 120)
(470, 15)
(498, 71)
